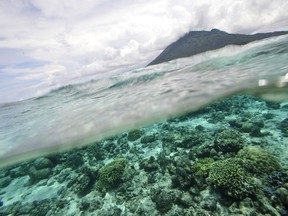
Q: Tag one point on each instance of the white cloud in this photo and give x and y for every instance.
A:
(78, 39)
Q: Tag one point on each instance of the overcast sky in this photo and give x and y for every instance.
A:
(45, 44)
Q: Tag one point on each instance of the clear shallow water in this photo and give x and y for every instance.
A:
(79, 114)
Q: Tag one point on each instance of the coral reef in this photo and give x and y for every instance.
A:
(259, 161)
(163, 200)
(284, 127)
(111, 174)
(191, 165)
(134, 135)
(229, 140)
(230, 178)
(202, 167)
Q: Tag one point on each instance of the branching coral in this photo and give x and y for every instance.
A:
(230, 178)
(202, 167)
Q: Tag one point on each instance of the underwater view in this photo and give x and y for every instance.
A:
(202, 135)
(143, 108)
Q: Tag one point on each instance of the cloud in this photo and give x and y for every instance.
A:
(73, 41)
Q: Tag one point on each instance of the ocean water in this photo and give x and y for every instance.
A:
(76, 115)
(171, 100)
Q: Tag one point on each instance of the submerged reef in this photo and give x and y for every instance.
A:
(229, 158)
(202, 167)
(230, 178)
(259, 161)
(134, 135)
(111, 174)
(284, 127)
(229, 140)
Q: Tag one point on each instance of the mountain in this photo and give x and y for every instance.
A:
(196, 42)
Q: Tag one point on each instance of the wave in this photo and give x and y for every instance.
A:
(76, 115)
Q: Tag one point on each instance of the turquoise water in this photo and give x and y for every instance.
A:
(75, 115)
(206, 135)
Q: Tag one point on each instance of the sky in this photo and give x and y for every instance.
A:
(47, 44)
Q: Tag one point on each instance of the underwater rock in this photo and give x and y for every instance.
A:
(283, 194)
(209, 203)
(5, 181)
(216, 117)
(284, 127)
(258, 124)
(111, 148)
(284, 107)
(245, 207)
(42, 162)
(181, 172)
(253, 129)
(122, 139)
(34, 208)
(193, 139)
(39, 174)
(176, 182)
(74, 160)
(115, 211)
(80, 184)
(40, 207)
(268, 115)
(163, 200)
(19, 171)
(84, 204)
(63, 174)
(203, 151)
(142, 206)
(15, 209)
(199, 128)
(235, 123)
(4, 172)
(151, 178)
(249, 124)
(148, 139)
(248, 207)
(57, 158)
(170, 136)
(246, 127)
(134, 135)
(149, 165)
(273, 105)
(229, 140)
(182, 176)
(163, 160)
(197, 211)
(95, 150)
(259, 161)
(185, 200)
(231, 179)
